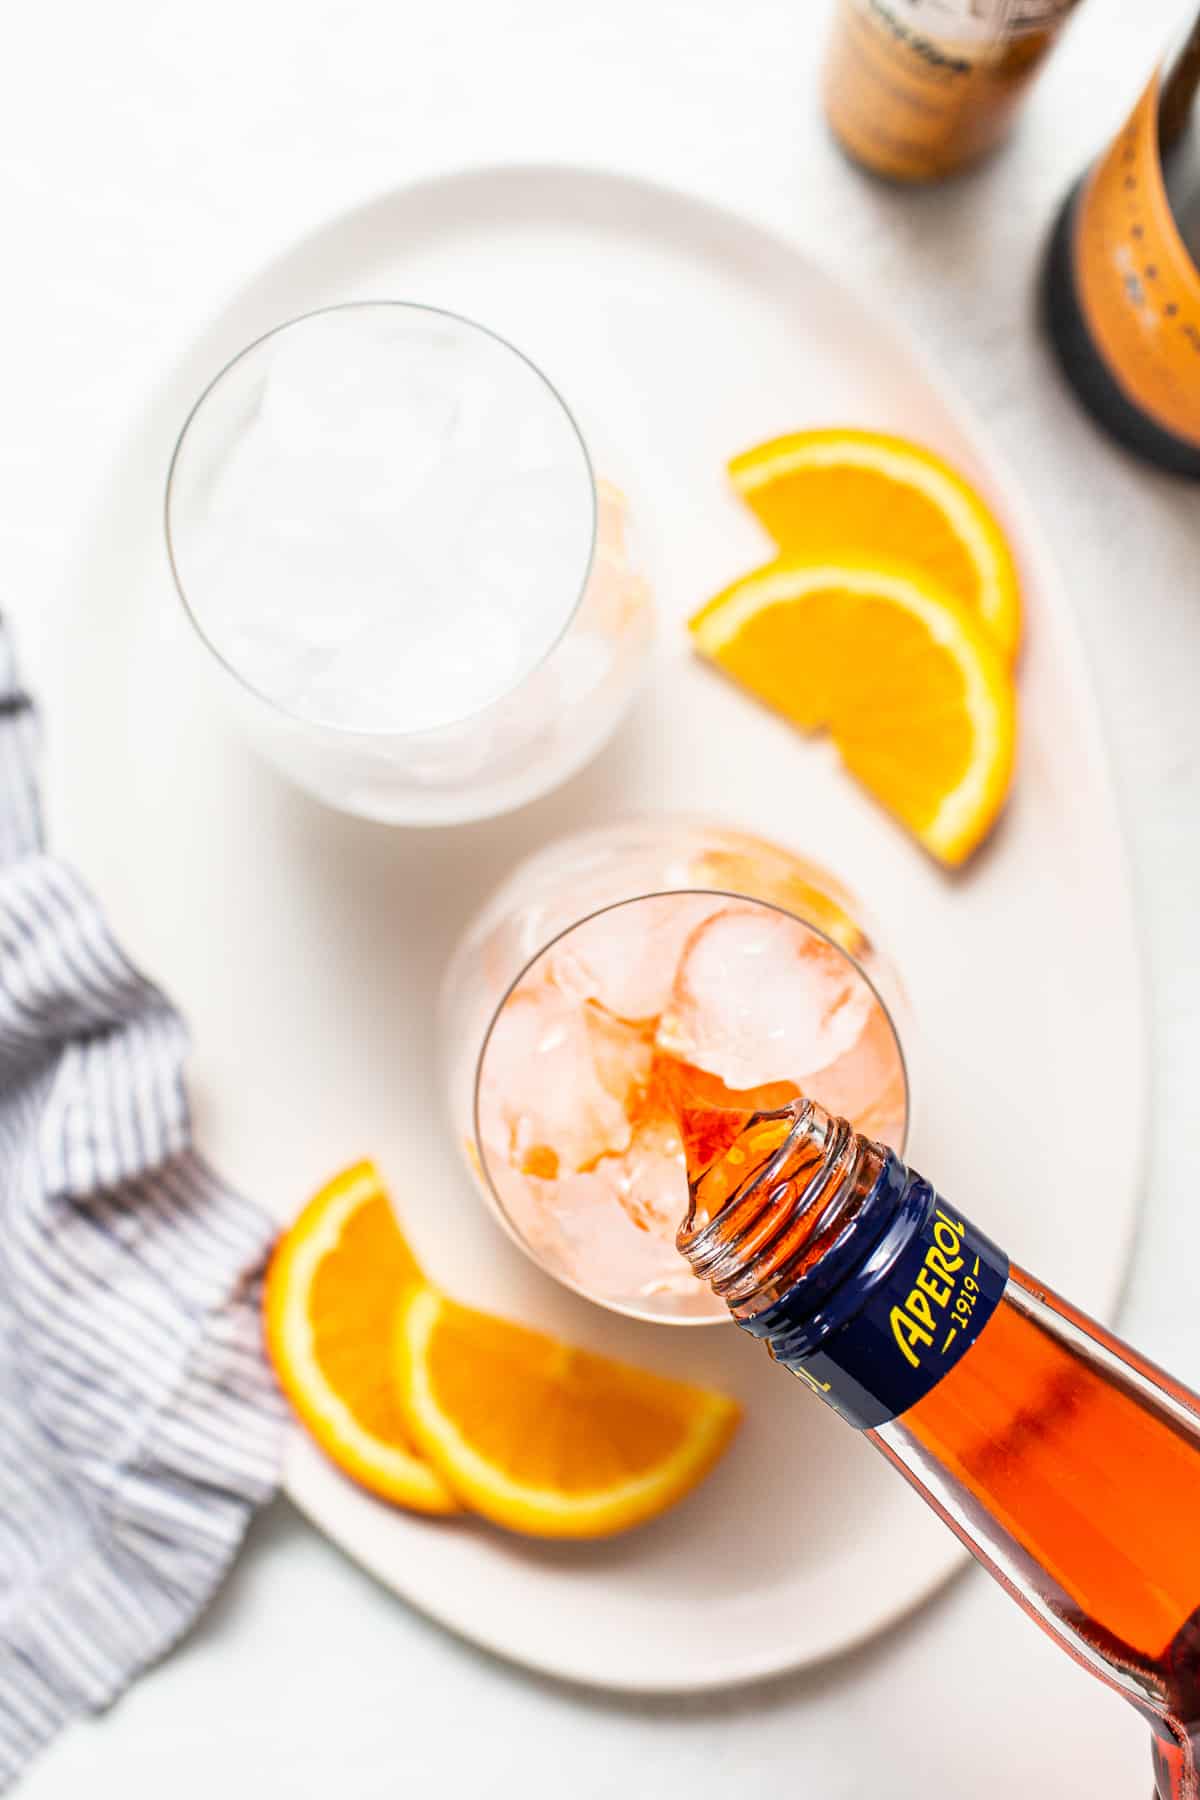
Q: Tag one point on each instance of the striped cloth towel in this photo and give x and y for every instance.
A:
(139, 1426)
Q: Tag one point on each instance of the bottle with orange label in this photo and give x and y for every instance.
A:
(1121, 290)
(916, 89)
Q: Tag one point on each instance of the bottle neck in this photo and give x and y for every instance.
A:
(844, 1262)
(787, 1195)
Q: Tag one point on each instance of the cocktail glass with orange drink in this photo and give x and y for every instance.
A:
(627, 985)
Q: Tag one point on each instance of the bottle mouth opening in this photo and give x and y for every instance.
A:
(784, 1203)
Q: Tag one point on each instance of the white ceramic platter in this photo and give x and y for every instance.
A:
(306, 947)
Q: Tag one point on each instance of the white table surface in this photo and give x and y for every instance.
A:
(155, 152)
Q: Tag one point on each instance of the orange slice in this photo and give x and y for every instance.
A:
(903, 675)
(823, 495)
(542, 1438)
(328, 1306)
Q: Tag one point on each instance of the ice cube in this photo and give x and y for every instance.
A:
(579, 1227)
(560, 1083)
(595, 1232)
(525, 540)
(866, 1084)
(763, 871)
(579, 1224)
(625, 959)
(758, 998)
(611, 1229)
(649, 1178)
(365, 392)
(406, 506)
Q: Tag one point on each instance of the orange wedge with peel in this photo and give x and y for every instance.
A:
(908, 682)
(826, 494)
(543, 1438)
(328, 1306)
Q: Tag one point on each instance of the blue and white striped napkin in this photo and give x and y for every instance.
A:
(139, 1425)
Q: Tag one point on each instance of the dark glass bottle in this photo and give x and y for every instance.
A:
(1121, 284)
(1068, 1464)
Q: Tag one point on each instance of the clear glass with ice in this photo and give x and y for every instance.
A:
(384, 525)
(615, 971)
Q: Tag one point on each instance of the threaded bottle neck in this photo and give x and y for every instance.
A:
(787, 1194)
(842, 1260)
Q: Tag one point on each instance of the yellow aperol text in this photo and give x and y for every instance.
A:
(915, 1324)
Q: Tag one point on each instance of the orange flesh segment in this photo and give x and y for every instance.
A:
(905, 678)
(352, 1303)
(545, 1438)
(844, 491)
(549, 1414)
(860, 697)
(843, 508)
(329, 1304)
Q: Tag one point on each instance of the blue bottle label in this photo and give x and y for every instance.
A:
(921, 1315)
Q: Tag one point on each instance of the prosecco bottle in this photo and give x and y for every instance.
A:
(1121, 283)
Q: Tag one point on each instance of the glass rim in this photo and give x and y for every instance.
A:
(497, 1205)
(173, 469)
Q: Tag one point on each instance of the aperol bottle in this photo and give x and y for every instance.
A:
(1065, 1462)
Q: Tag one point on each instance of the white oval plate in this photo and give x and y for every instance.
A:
(306, 947)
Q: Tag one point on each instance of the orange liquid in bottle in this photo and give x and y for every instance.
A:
(1068, 1464)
